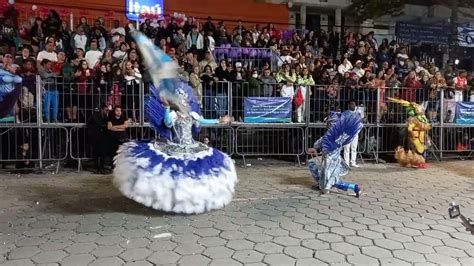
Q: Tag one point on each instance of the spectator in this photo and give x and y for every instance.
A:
(84, 76)
(437, 82)
(52, 24)
(98, 35)
(460, 86)
(238, 74)
(287, 79)
(254, 89)
(49, 54)
(79, 39)
(358, 69)
(7, 36)
(208, 61)
(350, 150)
(25, 55)
(208, 82)
(107, 57)
(117, 31)
(305, 80)
(209, 42)
(195, 82)
(268, 83)
(345, 66)
(93, 56)
(411, 86)
(147, 29)
(120, 54)
(195, 40)
(117, 125)
(83, 24)
(97, 129)
(209, 26)
(37, 35)
(24, 163)
(28, 73)
(132, 78)
(51, 96)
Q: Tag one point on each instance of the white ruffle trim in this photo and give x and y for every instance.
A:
(180, 194)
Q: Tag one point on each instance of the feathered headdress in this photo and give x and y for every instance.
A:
(410, 107)
(163, 71)
(342, 132)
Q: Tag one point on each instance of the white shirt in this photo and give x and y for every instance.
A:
(53, 57)
(92, 57)
(119, 30)
(80, 41)
(212, 43)
(343, 68)
(119, 54)
(359, 72)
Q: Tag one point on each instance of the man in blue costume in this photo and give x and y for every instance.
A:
(328, 170)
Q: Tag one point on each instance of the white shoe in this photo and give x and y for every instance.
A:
(355, 165)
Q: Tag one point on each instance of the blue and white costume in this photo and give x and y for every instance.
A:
(175, 173)
(9, 91)
(328, 170)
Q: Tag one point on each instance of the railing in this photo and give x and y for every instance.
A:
(65, 136)
(249, 57)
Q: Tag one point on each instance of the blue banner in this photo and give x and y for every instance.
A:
(465, 113)
(267, 110)
(438, 34)
(134, 8)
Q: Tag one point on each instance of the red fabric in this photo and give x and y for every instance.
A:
(298, 100)
(409, 92)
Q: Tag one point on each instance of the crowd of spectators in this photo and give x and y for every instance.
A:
(92, 65)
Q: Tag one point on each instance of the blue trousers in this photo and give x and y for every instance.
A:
(51, 100)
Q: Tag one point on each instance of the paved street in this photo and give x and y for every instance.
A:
(275, 219)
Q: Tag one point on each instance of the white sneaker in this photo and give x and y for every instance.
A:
(355, 165)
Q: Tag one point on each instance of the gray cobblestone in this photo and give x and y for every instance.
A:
(23, 253)
(278, 259)
(271, 223)
(77, 260)
(248, 256)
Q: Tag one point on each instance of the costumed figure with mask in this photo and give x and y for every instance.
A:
(174, 173)
(328, 168)
(10, 90)
(417, 127)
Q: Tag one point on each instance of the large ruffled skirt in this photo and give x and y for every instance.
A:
(175, 178)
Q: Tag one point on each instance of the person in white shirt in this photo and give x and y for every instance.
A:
(49, 54)
(194, 40)
(358, 69)
(350, 150)
(120, 54)
(117, 31)
(345, 66)
(79, 39)
(93, 55)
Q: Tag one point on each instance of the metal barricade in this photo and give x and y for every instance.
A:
(269, 140)
(456, 141)
(216, 99)
(384, 123)
(28, 146)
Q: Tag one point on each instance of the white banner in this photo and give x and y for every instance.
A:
(466, 37)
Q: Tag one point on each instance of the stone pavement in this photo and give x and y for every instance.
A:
(275, 219)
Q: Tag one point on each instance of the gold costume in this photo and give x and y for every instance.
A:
(418, 126)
